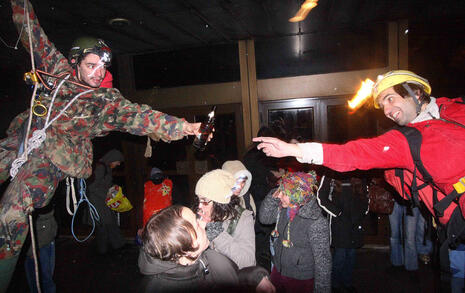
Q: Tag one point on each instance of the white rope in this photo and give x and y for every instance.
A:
(53, 99)
(19, 37)
(38, 137)
(34, 253)
(24, 159)
(70, 193)
(30, 37)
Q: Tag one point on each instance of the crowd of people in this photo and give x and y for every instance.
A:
(258, 224)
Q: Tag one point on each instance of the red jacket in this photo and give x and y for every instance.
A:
(442, 149)
(425, 194)
(156, 197)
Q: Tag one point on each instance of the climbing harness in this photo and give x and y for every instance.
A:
(40, 88)
(39, 135)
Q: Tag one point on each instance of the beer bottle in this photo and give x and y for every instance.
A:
(206, 128)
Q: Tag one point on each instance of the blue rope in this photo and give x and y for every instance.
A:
(92, 211)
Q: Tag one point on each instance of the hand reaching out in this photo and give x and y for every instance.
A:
(274, 147)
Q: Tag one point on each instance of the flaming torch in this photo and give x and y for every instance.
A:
(362, 95)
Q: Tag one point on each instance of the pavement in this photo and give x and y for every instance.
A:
(80, 269)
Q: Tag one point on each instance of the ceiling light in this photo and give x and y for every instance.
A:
(119, 22)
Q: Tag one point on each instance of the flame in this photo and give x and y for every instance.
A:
(309, 4)
(304, 10)
(300, 15)
(362, 95)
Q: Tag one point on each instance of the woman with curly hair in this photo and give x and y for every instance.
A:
(230, 227)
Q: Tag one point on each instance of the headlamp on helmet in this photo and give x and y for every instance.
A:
(86, 45)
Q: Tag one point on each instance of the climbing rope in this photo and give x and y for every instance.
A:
(70, 193)
(34, 252)
(38, 137)
(92, 211)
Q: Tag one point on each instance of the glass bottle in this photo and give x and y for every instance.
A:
(206, 128)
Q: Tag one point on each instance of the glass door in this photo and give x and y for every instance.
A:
(325, 119)
(297, 117)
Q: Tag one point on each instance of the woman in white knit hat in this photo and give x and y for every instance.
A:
(230, 227)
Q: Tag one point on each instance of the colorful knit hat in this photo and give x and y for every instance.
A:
(299, 187)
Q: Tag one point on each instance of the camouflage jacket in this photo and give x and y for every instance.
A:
(68, 143)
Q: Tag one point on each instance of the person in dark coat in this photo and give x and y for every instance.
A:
(346, 204)
(175, 258)
(107, 232)
(260, 166)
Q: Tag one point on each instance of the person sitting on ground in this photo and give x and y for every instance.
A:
(230, 227)
(243, 181)
(302, 258)
(175, 258)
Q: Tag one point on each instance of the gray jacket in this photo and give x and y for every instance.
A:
(240, 246)
(309, 256)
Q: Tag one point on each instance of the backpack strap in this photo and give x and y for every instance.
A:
(414, 139)
(233, 223)
(248, 206)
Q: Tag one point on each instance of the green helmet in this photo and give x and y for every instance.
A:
(85, 45)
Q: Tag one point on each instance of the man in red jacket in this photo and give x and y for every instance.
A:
(405, 98)
(427, 148)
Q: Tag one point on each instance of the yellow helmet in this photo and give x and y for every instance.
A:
(396, 77)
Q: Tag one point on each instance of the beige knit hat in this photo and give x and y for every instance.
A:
(216, 185)
(238, 170)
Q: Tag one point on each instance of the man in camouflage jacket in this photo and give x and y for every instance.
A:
(67, 149)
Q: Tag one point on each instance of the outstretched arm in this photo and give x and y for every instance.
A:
(389, 150)
(46, 56)
(274, 147)
(119, 114)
